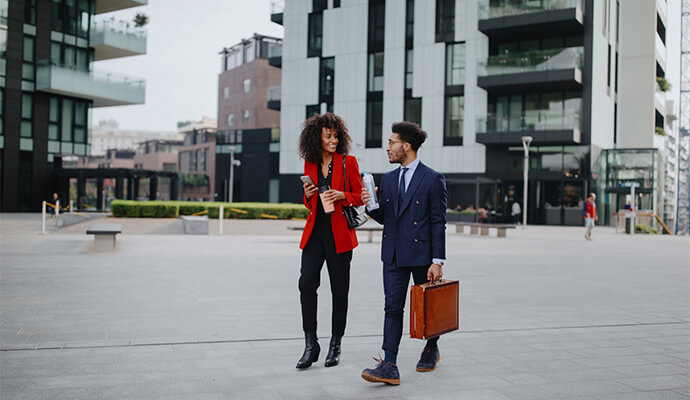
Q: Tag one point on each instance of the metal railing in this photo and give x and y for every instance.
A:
(97, 76)
(537, 120)
(121, 27)
(544, 60)
(504, 8)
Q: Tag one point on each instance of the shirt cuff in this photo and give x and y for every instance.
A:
(439, 261)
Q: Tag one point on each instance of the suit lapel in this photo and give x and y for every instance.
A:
(414, 185)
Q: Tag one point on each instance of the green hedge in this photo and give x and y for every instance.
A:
(172, 209)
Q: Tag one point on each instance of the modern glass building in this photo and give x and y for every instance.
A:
(583, 78)
(48, 87)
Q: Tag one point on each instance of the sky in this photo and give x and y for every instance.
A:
(182, 63)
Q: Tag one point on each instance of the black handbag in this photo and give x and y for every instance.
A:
(355, 215)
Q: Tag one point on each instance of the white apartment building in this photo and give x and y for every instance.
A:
(578, 76)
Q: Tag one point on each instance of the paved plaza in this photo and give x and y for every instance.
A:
(544, 315)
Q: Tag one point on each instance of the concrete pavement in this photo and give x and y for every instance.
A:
(544, 315)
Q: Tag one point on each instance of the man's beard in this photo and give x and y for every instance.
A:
(397, 157)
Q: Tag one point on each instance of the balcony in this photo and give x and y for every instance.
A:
(103, 89)
(275, 55)
(277, 9)
(115, 39)
(511, 18)
(274, 98)
(555, 69)
(106, 6)
(546, 128)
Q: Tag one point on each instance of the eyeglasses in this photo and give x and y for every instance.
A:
(390, 142)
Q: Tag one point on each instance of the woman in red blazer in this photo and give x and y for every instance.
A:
(323, 144)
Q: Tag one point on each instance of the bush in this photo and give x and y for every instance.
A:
(171, 209)
(646, 230)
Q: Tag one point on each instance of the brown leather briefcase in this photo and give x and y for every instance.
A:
(434, 309)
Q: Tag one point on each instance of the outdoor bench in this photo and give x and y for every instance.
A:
(482, 229)
(104, 235)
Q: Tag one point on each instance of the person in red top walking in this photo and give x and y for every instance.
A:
(323, 144)
(590, 214)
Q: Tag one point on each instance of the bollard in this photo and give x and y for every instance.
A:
(43, 217)
(57, 211)
(220, 221)
(71, 204)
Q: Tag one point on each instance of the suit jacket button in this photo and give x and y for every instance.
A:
(387, 200)
(415, 240)
(415, 222)
(384, 235)
(417, 201)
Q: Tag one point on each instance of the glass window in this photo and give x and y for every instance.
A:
(453, 130)
(312, 109)
(57, 19)
(377, 24)
(409, 68)
(319, 5)
(26, 129)
(226, 92)
(69, 59)
(83, 22)
(3, 44)
(551, 115)
(409, 22)
(27, 106)
(515, 122)
(445, 20)
(413, 110)
(67, 108)
(455, 64)
(247, 85)
(231, 120)
(572, 105)
(376, 72)
(28, 71)
(71, 17)
(315, 35)
(245, 116)
(56, 52)
(374, 123)
(28, 48)
(82, 60)
(54, 113)
(30, 12)
(327, 79)
(552, 43)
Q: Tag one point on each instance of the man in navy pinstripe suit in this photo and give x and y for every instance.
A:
(412, 210)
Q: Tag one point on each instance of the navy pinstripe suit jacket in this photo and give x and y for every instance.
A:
(415, 232)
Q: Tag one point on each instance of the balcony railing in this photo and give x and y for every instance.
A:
(104, 89)
(537, 120)
(112, 39)
(533, 61)
(106, 6)
(497, 9)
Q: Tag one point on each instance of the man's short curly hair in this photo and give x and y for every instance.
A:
(310, 148)
(410, 132)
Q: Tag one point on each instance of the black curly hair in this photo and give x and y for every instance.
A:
(310, 148)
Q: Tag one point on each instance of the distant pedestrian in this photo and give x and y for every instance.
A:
(590, 214)
(55, 202)
(516, 212)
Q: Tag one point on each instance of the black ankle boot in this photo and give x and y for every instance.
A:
(311, 351)
(333, 357)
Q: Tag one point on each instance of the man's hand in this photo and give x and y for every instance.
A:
(434, 273)
(309, 189)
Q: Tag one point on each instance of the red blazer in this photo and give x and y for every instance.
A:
(345, 238)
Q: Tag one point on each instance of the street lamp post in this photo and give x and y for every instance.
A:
(233, 163)
(526, 141)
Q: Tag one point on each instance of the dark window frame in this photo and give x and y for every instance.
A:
(451, 140)
(374, 127)
(326, 90)
(445, 20)
(315, 35)
(376, 28)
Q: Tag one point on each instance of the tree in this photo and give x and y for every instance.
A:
(140, 20)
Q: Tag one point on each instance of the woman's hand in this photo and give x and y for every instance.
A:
(333, 196)
(309, 189)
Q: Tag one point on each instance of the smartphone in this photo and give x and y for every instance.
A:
(306, 179)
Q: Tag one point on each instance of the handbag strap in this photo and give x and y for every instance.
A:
(344, 175)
